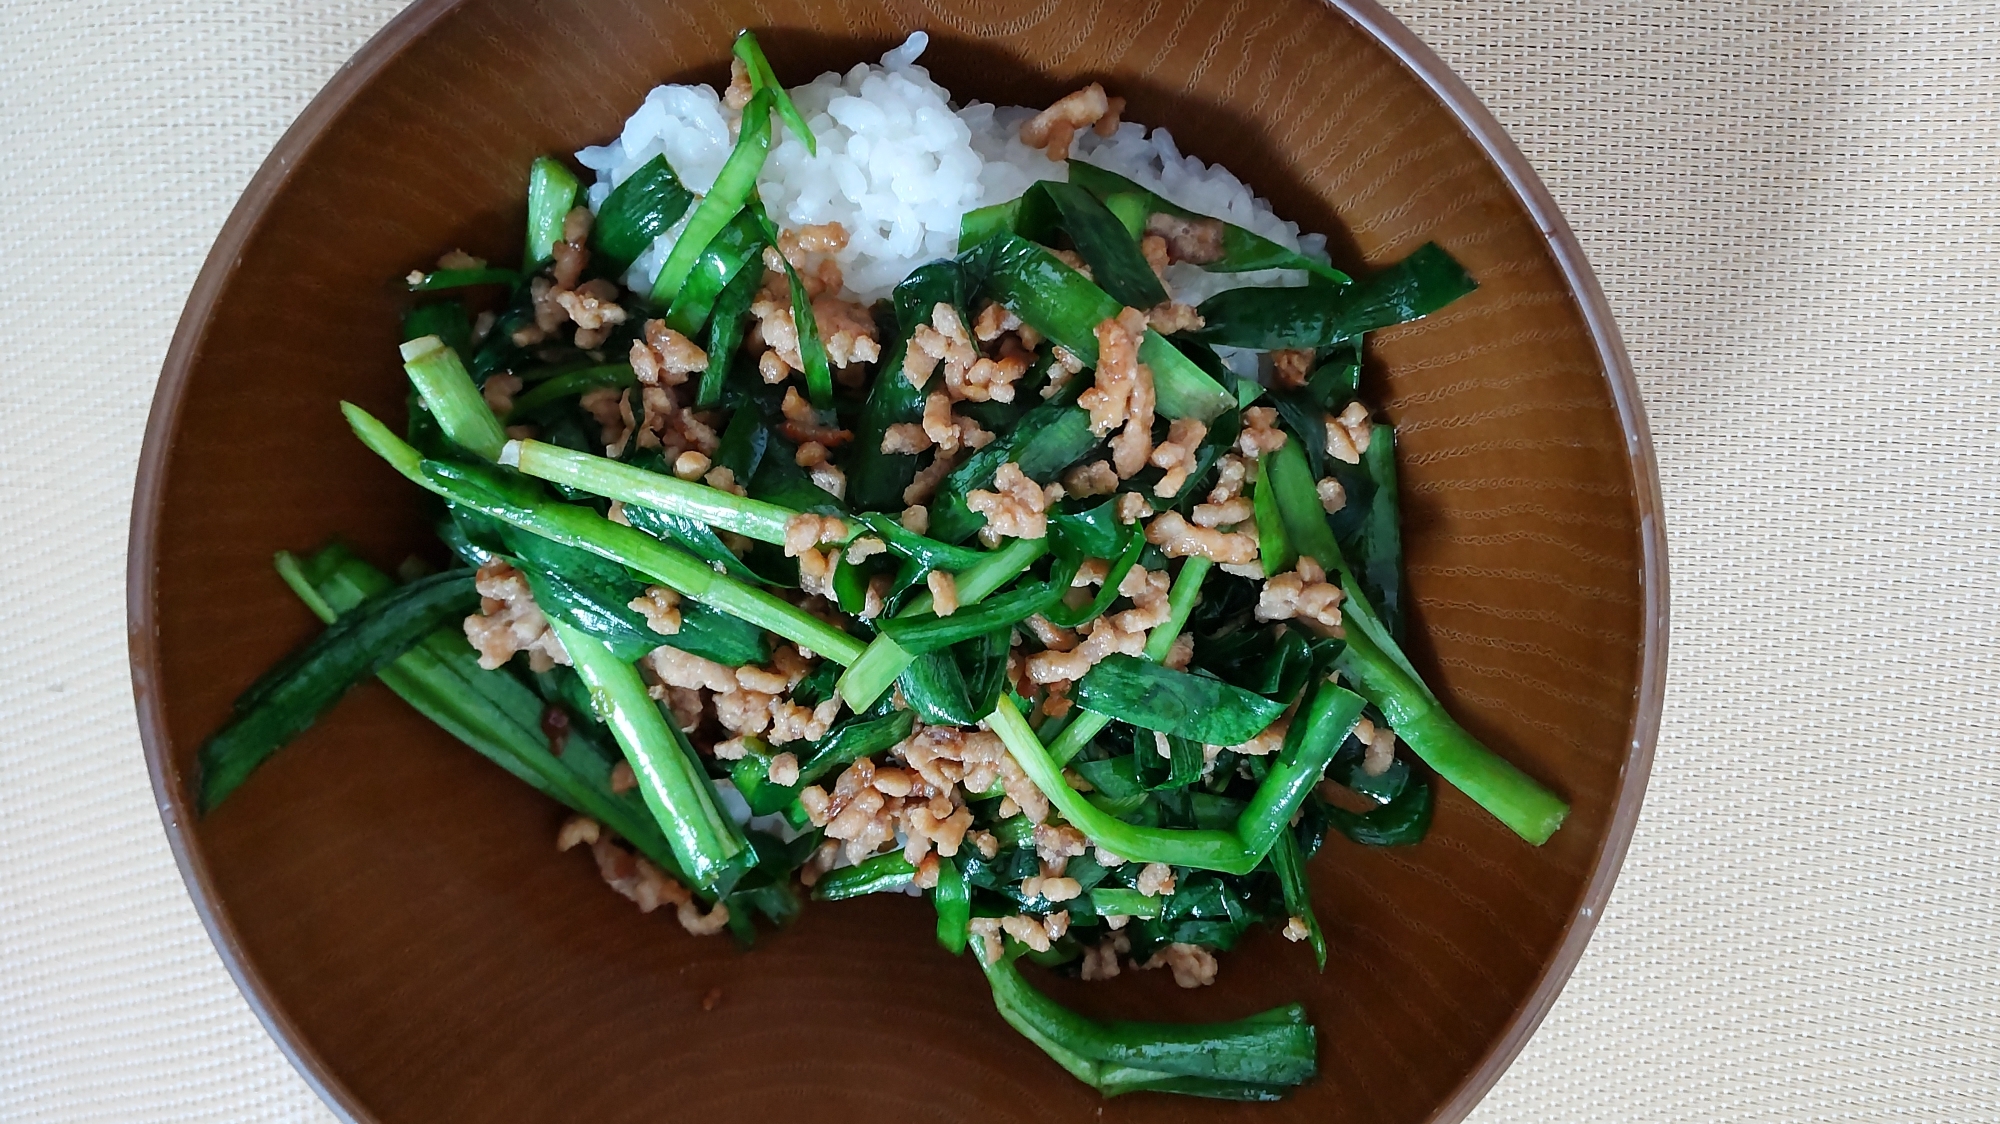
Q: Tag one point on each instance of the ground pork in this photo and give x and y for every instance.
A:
(944, 592)
(1348, 433)
(1225, 514)
(1180, 539)
(509, 621)
(675, 668)
(1100, 961)
(1291, 366)
(1332, 495)
(1123, 392)
(1056, 127)
(948, 431)
(1260, 433)
(1097, 478)
(1193, 965)
(499, 390)
(1195, 239)
(925, 484)
(650, 888)
(1102, 638)
(612, 409)
(1232, 471)
(1156, 880)
(661, 607)
(1177, 455)
(1017, 508)
(943, 340)
(1169, 317)
(1301, 594)
(1039, 934)
(1150, 606)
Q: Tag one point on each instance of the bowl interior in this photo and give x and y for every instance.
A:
(393, 904)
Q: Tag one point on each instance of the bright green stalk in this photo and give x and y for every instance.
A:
(491, 711)
(1186, 593)
(601, 476)
(1209, 850)
(1515, 799)
(872, 673)
(1114, 901)
(1257, 1058)
(1314, 737)
(880, 874)
(586, 530)
(708, 843)
(734, 185)
(1377, 667)
(551, 195)
(762, 77)
(447, 388)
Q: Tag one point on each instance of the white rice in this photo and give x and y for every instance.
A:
(898, 167)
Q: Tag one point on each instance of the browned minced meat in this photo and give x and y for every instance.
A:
(1181, 539)
(1097, 478)
(1260, 433)
(1348, 433)
(1195, 240)
(499, 390)
(509, 621)
(1123, 392)
(1177, 455)
(661, 607)
(1016, 508)
(943, 340)
(944, 592)
(1169, 317)
(1193, 965)
(1055, 127)
(1332, 495)
(1291, 366)
(612, 408)
(1302, 594)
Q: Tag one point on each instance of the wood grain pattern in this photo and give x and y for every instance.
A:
(392, 905)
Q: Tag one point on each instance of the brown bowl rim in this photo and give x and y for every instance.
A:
(409, 25)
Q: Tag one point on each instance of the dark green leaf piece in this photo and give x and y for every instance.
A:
(290, 697)
(1155, 697)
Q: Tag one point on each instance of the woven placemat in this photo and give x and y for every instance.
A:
(1791, 205)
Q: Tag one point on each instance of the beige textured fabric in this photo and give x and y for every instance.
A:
(1791, 204)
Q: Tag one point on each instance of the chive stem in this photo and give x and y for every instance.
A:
(551, 195)
(876, 668)
(602, 476)
(733, 186)
(707, 842)
(586, 530)
(447, 389)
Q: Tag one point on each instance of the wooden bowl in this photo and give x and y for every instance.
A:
(392, 905)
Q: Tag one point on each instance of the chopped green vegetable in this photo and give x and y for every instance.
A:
(290, 697)
(734, 186)
(644, 206)
(551, 196)
(447, 390)
(602, 476)
(1257, 1058)
(765, 81)
(1315, 316)
(709, 845)
(1153, 697)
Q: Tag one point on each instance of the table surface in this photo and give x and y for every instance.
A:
(1792, 206)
